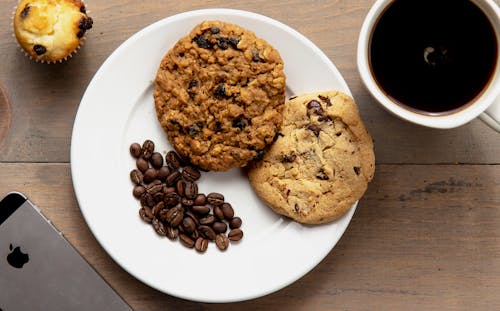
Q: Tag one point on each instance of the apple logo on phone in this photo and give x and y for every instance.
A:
(16, 258)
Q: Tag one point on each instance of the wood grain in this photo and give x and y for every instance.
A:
(425, 237)
(46, 97)
(5, 115)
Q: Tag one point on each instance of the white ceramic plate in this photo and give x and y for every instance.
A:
(117, 109)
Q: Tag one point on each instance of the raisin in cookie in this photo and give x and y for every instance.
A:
(219, 95)
(320, 164)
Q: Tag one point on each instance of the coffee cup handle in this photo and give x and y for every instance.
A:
(491, 116)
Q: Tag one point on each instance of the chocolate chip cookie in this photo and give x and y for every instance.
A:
(219, 95)
(321, 162)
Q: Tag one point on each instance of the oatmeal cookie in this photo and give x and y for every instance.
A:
(320, 164)
(219, 95)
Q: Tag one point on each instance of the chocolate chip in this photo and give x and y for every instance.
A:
(83, 9)
(25, 11)
(222, 43)
(203, 42)
(297, 208)
(357, 170)
(326, 100)
(288, 158)
(239, 123)
(324, 119)
(218, 126)
(215, 30)
(234, 42)
(80, 33)
(314, 107)
(259, 155)
(39, 49)
(220, 91)
(193, 130)
(322, 175)
(85, 23)
(278, 135)
(314, 128)
(193, 83)
(256, 57)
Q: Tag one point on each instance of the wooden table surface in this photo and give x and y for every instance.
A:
(426, 234)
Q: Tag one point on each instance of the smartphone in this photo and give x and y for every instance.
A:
(40, 270)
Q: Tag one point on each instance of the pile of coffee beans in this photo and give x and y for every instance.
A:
(170, 201)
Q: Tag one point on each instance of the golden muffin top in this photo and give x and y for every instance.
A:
(50, 30)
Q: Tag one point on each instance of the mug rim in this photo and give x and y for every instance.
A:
(452, 119)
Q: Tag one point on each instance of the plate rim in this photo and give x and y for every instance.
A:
(109, 60)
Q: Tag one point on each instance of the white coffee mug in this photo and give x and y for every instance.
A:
(486, 106)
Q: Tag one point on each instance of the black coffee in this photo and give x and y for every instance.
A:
(433, 55)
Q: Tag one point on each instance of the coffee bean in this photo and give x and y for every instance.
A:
(159, 227)
(235, 223)
(235, 235)
(227, 211)
(135, 150)
(175, 216)
(148, 148)
(201, 245)
(218, 212)
(190, 173)
(193, 217)
(158, 208)
(187, 202)
(186, 240)
(150, 175)
(207, 232)
(136, 177)
(173, 160)
(191, 190)
(154, 187)
(188, 225)
(208, 220)
(219, 227)
(215, 199)
(147, 200)
(162, 215)
(171, 199)
(142, 164)
(222, 241)
(156, 160)
(195, 235)
(201, 209)
(173, 177)
(138, 191)
(172, 233)
(163, 172)
(158, 197)
(146, 214)
(168, 190)
(180, 187)
(200, 199)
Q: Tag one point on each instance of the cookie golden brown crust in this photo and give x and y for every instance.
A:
(219, 95)
(50, 30)
(321, 163)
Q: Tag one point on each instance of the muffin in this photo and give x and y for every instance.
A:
(50, 30)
